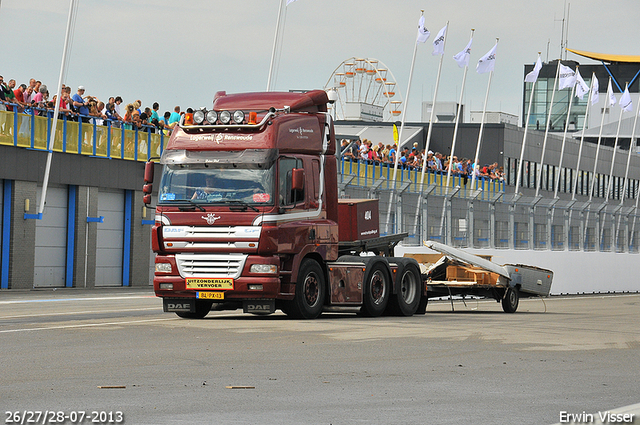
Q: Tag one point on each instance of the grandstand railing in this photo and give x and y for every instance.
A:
(33, 131)
(362, 173)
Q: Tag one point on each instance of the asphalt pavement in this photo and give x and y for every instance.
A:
(113, 354)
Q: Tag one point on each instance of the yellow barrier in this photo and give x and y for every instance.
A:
(79, 141)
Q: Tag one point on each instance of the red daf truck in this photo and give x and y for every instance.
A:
(248, 216)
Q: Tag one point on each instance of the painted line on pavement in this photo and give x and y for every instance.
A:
(88, 325)
(77, 299)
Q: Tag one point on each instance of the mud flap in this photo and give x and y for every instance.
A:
(179, 305)
(259, 306)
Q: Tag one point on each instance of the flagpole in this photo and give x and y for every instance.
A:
(273, 51)
(455, 128)
(615, 149)
(526, 130)
(453, 144)
(626, 173)
(586, 115)
(635, 218)
(402, 118)
(484, 112)
(431, 118)
(564, 137)
(595, 164)
(633, 134)
(56, 111)
(546, 131)
(433, 108)
(613, 163)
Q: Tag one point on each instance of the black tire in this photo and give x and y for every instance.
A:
(422, 307)
(310, 289)
(203, 307)
(377, 289)
(510, 300)
(409, 291)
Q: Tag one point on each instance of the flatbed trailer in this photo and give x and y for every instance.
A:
(452, 271)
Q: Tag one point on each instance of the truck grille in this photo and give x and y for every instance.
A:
(210, 265)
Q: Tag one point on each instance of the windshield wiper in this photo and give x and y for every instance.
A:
(193, 205)
(242, 205)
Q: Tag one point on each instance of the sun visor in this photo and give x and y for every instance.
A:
(247, 156)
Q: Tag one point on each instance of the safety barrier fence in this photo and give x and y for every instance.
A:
(471, 218)
(33, 131)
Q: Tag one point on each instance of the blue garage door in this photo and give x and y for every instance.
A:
(51, 239)
(110, 239)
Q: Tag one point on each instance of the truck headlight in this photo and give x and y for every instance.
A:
(163, 268)
(264, 268)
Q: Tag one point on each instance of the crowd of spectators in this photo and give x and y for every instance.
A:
(413, 159)
(35, 98)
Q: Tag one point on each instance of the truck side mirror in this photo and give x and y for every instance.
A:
(148, 172)
(297, 179)
(147, 189)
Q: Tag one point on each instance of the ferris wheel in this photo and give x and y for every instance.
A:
(366, 90)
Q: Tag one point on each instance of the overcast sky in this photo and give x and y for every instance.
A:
(182, 52)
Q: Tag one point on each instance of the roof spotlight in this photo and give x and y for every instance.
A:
(225, 117)
(212, 117)
(238, 117)
(198, 116)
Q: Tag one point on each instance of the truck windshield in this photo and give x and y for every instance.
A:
(217, 184)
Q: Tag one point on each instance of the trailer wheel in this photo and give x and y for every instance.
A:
(309, 298)
(203, 307)
(377, 289)
(510, 300)
(406, 301)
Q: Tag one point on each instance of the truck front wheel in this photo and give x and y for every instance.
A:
(309, 298)
(203, 307)
(377, 289)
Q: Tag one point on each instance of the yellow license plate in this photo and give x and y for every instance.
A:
(220, 284)
(210, 295)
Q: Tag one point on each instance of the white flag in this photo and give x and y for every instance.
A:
(533, 75)
(625, 101)
(463, 57)
(581, 87)
(423, 33)
(567, 77)
(595, 93)
(438, 43)
(610, 95)
(289, 1)
(488, 61)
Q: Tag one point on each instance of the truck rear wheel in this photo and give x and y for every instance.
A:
(406, 301)
(203, 307)
(310, 289)
(377, 289)
(510, 300)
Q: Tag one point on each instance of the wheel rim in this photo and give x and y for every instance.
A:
(408, 287)
(378, 287)
(311, 289)
(512, 298)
